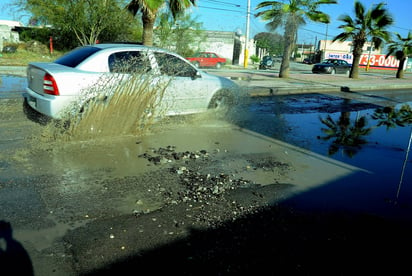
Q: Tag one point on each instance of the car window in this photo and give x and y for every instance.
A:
(75, 57)
(213, 55)
(129, 62)
(173, 66)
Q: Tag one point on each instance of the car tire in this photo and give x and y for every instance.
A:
(222, 102)
(196, 64)
(333, 72)
(218, 65)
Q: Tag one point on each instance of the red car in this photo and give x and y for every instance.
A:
(207, 59)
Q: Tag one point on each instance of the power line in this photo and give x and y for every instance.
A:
(223, 3)
(220, 9)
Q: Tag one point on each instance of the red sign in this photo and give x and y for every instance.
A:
(379, 62)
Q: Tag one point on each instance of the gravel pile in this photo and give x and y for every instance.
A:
(210, 193)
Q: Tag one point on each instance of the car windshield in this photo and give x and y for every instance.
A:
(75, 57)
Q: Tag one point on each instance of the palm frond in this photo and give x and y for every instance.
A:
(342, 36)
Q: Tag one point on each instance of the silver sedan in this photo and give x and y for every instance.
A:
(97, 71)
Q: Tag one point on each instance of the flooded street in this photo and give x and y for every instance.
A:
(199, 193)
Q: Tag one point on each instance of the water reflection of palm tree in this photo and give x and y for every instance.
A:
(345, 134)
(390, 117)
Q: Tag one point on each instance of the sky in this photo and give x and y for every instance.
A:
(230, 15)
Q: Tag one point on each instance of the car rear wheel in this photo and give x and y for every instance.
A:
(196, 64)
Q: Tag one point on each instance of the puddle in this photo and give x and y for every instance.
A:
(12, 86)
(297, 120)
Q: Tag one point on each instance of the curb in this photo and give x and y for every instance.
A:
(260, 91)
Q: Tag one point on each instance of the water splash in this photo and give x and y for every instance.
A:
(119, 104)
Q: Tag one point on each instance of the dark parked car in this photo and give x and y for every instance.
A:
(332, 66)
(307, 61)
(267, 62)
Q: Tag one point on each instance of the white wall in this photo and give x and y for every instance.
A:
(222, 43)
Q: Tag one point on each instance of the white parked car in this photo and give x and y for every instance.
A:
(79, 75)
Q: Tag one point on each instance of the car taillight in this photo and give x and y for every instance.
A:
(50, 85)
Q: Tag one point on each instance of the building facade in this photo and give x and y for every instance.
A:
(7, 32)
(343, 50)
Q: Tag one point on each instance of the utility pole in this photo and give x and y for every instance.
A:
(326, 41)
(245, 61)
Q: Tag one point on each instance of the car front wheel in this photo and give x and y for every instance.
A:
(218, 65)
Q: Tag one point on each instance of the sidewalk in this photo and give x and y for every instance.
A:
(264, 83)
(13, 70)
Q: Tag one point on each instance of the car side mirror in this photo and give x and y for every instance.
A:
(196, 75)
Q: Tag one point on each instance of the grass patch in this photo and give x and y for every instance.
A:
(28, 52)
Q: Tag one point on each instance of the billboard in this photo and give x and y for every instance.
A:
(376, 61)
(379, 62)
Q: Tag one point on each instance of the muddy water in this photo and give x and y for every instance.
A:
(75, 172)
(12, 86)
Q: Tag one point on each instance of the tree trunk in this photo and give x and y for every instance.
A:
(399, 73)
(285, 65)
(148, 24)
(289, 37)
(354, 71)
(357, 53)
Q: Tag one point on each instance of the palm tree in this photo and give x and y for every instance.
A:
(149, 10)
(366, 24)
(291, 14)
(402, 47)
